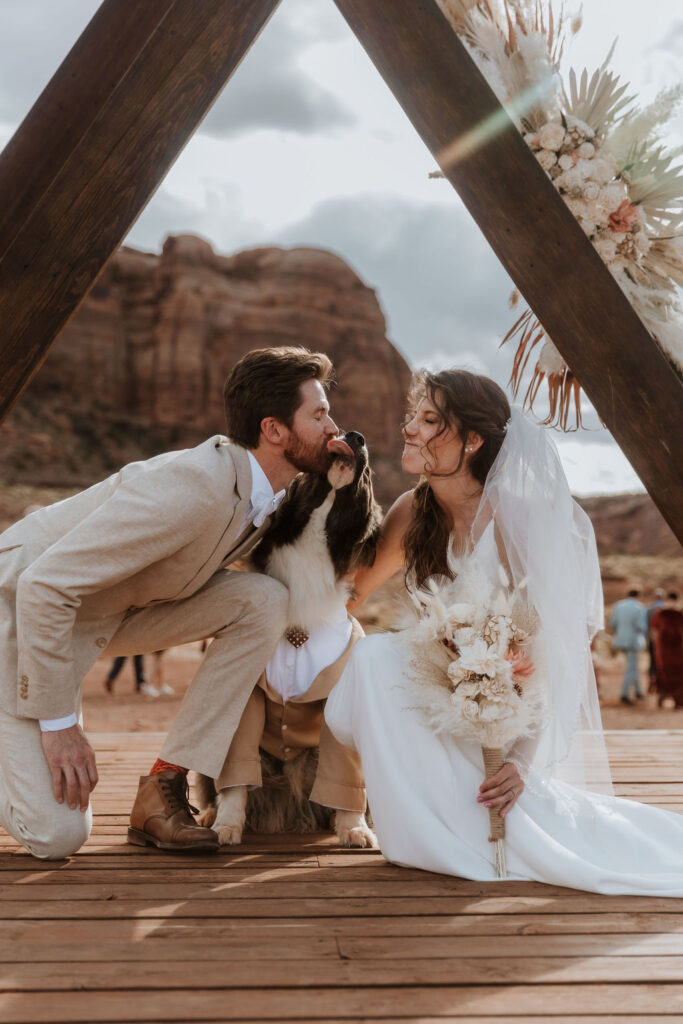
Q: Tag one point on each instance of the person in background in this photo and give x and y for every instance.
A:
(650, 610)
(667, 635)
(116, 666)
(157, 682)
(629, 625)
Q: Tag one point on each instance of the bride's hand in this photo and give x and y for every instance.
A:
(502, 790)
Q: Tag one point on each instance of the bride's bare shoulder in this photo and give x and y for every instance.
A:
(398, 517)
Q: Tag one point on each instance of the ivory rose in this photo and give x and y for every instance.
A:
(551, 136)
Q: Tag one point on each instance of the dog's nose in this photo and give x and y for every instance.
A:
(354, 438)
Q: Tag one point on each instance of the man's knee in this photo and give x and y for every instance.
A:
(269, 598)
(60, 837)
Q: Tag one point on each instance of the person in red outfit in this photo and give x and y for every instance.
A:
(667, 635)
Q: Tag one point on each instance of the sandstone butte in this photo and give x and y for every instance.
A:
(140, 367)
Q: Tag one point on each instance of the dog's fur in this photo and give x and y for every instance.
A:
(327, 526)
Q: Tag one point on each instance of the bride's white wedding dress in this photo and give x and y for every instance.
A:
(422, 789)
(566, 828)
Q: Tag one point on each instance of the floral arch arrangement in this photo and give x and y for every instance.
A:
(604, 157)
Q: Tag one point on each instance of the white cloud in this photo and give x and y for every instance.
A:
(271, 88)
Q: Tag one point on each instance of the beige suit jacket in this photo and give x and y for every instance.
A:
(155, 531)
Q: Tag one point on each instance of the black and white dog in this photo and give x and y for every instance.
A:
(327, 526)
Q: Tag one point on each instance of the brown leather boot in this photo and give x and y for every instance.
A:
(161, 815)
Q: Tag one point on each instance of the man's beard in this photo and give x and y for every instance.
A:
(307, 457)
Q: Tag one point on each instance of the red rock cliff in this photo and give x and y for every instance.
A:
(141, 366)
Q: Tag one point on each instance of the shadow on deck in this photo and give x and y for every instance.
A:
(290, 928)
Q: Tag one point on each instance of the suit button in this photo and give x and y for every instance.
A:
(101, 641)
(284, 727)
(288, 750)
(24, 680)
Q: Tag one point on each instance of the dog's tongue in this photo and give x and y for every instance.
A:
(339, 446)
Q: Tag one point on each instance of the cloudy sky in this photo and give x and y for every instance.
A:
(307, 146)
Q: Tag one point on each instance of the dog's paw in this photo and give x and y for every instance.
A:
(207, 816)
(352, 830)
(229, 835)
(231, 806)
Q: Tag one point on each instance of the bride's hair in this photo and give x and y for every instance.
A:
(466, 402)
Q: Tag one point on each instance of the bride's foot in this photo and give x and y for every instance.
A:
(352, 830)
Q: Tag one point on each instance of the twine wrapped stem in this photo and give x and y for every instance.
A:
(493, 762)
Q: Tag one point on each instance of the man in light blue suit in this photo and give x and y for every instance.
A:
(629, 625)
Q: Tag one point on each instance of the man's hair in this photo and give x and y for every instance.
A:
(672, 595)
(266, 382)
(633, 592)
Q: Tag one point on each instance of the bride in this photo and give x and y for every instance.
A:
(493, 493)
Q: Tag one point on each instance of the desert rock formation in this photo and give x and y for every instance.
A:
(140, 367)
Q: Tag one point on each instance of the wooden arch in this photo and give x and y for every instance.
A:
(137, 83)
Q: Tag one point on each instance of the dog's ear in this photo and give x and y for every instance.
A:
(366, 550)
(353, 525)
(304, 494)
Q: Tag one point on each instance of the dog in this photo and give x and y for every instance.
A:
(326, 528)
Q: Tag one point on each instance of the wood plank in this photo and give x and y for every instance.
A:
(126, 975)
(165, 923)
(382, 916)
(534, 235)
(109, 167)
(67, 107)
(357, 1003)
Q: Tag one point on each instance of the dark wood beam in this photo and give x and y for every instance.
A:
(94, 148)
(634, 387)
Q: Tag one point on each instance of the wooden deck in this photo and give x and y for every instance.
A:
(292, 929)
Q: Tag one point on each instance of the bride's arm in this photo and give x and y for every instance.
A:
(390, 556)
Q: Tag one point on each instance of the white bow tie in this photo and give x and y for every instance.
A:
(261, 512)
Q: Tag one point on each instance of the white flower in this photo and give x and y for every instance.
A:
(572, 178)
(642, 242)
(468, 689)
(566, 162)
(479, 658)
(464, 636)
(546, 158)
(500, 687)
(489, 712)
(603, 169)
(612, 196)
(606, 249)
(456, 673)
(551, 136)
(470, 710)
(591, 190)
(586, 150)
(575, 124)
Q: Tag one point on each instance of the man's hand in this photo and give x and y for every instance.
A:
(72, 765)
(502, 790)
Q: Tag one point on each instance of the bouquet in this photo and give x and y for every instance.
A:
(473, 671)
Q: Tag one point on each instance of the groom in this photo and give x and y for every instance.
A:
(136, 564)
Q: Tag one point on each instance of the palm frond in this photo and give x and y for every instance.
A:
(599, 102)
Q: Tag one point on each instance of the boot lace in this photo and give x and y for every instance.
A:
(176, 792)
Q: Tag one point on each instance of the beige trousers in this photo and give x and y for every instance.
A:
(28, 809)
(245, 613)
